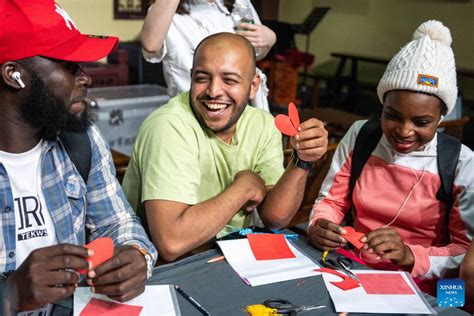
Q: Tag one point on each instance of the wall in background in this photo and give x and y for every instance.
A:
(381, 27)
(376, 27)
(97, 17)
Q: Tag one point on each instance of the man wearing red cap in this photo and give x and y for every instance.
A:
(45, 204)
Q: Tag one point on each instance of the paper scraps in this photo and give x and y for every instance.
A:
(346, 284)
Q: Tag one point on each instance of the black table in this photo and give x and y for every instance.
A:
(221, 291)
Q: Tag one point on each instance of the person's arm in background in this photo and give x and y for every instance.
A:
(333, 199)
(177, 228)
(156, 25)
(467, 273)
(258, 34)
(284, 199)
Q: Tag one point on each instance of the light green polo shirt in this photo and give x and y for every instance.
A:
(175, 158)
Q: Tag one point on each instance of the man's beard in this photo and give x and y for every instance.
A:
(239, 109)
(44, 110)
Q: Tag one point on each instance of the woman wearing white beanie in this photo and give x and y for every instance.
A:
(407, 225)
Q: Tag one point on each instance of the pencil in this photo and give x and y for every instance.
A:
(215, 259)
(192, 300)
(324, 255)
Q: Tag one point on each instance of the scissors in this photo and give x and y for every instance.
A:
(287, 308)
(341, 264)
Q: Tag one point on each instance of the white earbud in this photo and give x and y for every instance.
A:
(17, 77)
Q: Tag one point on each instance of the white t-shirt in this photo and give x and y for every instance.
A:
(186, 32)
(34, 227)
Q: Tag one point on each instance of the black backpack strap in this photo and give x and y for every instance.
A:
(366, 141)
(448, 151)
(78, 147)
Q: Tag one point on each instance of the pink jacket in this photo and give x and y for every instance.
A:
(384, 184)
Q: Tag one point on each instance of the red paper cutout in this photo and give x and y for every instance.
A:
(269, 246)
(288, 124)
(293, 114)
(108, 308)
(346, 284)
(353, 237)
(384, 283)
(103, 251)
(284, 125)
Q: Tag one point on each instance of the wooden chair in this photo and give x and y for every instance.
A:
(454, 128)
(316, 177)
(121, 163)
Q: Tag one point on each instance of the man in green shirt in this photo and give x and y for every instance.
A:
(203, 162)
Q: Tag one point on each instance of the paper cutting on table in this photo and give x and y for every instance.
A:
(353, 237)
(392, 283)
(358, 300)
(288, 124)
(346, 284)
(103, 250)
(269, 246)
(107, 308)
(255, 272)
(156, 300)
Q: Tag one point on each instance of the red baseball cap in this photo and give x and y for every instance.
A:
(43, 28)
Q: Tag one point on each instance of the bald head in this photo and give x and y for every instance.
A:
(220, 43)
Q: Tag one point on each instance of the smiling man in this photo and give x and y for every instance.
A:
(203, 162)
(45, 204)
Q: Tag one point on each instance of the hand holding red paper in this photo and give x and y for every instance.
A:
(353, 237)
(326, 235)
(103, 250)
(309, 138)
(388, 245)
(36, 280)
(122, 277)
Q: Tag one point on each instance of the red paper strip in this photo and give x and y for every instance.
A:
(353, 237)
(107, 308)
(384, 283)
(346, 284)
(269, 246)
(103, 250)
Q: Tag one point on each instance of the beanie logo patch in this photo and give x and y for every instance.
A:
(427, 80)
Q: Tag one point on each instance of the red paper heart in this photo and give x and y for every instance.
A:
(103, 250)
(293, 114)
(353, 237)
(288, 124)
(284, 125)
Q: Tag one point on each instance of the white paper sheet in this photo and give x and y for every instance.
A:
(156, 300)
(358, 301)
(255, 272)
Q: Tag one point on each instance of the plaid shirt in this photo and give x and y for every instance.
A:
(100, 205)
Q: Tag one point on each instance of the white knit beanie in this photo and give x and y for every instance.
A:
(426, 64)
